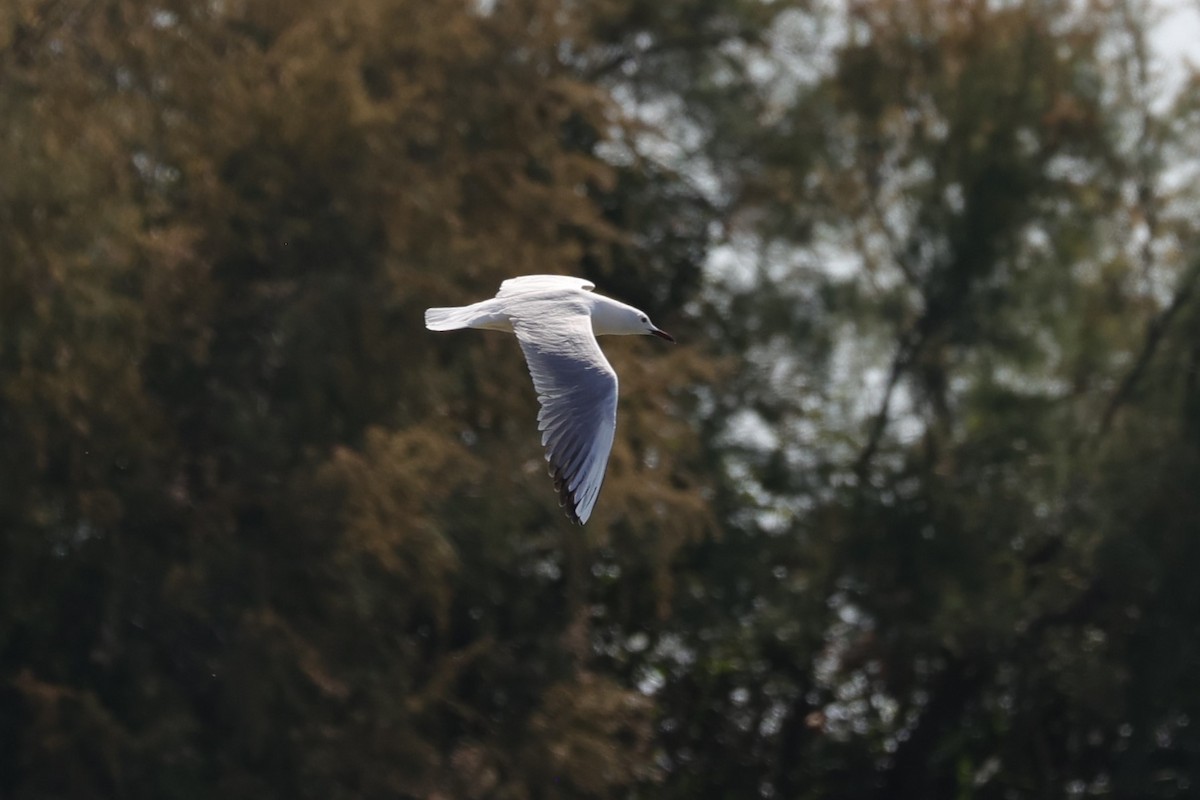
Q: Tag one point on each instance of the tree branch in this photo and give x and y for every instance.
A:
(1155, 330)
(698, 41)
(906, 353)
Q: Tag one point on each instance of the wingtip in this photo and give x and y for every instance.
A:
(566, 499)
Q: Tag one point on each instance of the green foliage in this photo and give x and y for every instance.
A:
(910, 513)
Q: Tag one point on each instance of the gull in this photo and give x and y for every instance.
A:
(556, 320)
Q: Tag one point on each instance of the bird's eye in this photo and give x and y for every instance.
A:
(645, 318)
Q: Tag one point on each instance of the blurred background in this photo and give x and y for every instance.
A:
(911, 512)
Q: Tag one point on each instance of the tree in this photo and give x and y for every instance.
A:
(249, 543)
(909, 513)
(932, 283)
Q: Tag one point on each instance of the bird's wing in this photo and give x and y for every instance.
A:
(577, 390)
(541, 283)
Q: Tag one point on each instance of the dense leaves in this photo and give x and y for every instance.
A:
(911, 512)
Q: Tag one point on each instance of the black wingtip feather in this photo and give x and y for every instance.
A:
(565, 499)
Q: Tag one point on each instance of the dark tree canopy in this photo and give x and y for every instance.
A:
(912, 511)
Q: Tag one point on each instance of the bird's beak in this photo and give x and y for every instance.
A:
(663, 335)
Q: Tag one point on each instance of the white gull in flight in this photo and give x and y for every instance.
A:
(556, 320)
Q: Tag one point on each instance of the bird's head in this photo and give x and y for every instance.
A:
(648, 328)
(617, 319)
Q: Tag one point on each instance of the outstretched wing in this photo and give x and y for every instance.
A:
(577, 390)
(542, 283)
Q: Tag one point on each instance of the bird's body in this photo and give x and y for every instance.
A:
(556, 320)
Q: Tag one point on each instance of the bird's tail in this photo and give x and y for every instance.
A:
(484, 314)
(449, 319)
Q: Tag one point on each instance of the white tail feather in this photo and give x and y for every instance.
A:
(449, 319)
(487, 314)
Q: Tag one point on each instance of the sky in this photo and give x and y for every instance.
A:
(1176, 38)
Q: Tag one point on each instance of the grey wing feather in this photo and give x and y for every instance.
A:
(577, 390)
